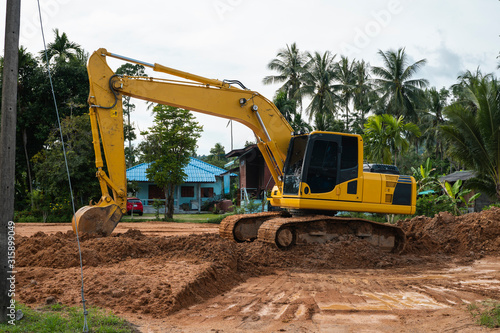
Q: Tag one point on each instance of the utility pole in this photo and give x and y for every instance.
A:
(8, 152)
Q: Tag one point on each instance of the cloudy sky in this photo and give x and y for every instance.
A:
(235, 39)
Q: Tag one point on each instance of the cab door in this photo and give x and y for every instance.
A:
(322, 162)
(331, 167)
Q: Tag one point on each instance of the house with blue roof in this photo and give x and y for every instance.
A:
(204, 182)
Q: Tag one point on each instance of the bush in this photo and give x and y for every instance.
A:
(496, 204)
(27, 216)
(429, 205)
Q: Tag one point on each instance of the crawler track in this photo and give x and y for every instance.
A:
(243, 228)
(285, 232)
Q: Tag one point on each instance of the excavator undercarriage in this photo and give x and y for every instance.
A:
(285, 230)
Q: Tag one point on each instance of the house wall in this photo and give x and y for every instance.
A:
(267, 180)
(227, 183)
(143, 193)
(254, 174)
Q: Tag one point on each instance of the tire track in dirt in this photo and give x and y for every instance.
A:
(367, 300)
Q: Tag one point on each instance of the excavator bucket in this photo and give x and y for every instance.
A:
(97, 219)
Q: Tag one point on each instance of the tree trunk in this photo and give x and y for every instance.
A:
(170, 201)
(165, 213)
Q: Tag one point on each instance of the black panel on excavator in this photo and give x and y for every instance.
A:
(402, 194)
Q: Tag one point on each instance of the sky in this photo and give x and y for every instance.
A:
(236, 39)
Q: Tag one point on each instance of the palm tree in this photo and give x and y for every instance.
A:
(466, 80)
(286, 106)
(318, 86)
(289, 63)
(346, 79)
(300, 125)
(473, 132)
(386, 136)
(364, 96)
(432, 119)
(400, 95)
(62, 50)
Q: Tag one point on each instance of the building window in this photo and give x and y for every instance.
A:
(207, 192)
(187, 191)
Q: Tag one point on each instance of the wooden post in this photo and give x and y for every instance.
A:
(8, 151)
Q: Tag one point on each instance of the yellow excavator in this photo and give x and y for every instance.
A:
(316, 174)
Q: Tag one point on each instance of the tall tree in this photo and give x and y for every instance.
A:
(473, 132)
(61, 49)
(129, 134)
(344, 71)
(364, 96)
(400, 94)
(285, 105)
(386, 137)
(289, 63)
(168, 146)
(287, 108)
(318, 86)
(49, 167)
(27, 67)
(36, 117)
(432, 119)
(217, 156)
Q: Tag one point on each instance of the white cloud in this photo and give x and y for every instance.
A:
(237, 38)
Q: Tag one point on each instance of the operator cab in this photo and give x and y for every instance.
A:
(322, 161)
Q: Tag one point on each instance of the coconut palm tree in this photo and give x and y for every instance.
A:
(289, 63)
(346, 79)
(431, 120)
(318, 86)
(62, 50)
(400, 95)
(364, 95)
(473, 132)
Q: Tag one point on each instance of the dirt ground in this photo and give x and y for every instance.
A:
(171, 277)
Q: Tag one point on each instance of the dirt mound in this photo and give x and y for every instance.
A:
(128, 272)
(134, 273)
(61, 251)
(470, 234)
(155, 276)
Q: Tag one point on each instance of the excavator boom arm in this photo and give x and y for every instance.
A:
(208, 96)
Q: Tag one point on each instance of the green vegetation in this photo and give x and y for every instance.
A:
(402, 118)
(487, 313)
(454, 198)
(60, 318)
(191, 218)
(168, 146)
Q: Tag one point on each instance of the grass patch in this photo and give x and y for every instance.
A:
(64, 319)
(487, 313)
(199, 218)
(191, 218)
